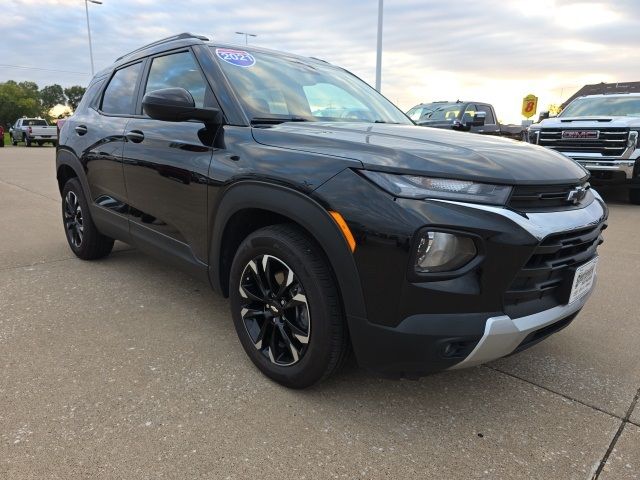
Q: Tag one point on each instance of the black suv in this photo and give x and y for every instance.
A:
(330, 220)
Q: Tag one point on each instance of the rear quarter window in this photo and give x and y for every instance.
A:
(118, 96)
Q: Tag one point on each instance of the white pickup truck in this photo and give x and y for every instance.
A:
(33, 130)
(601, 133)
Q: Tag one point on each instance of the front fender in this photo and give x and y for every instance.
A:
(302, 210)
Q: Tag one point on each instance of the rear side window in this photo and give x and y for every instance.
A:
(34, 122)
(489, 120)
(177, 70)
(118, 96)
(91, 97)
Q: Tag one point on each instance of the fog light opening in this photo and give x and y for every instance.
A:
(443, 252)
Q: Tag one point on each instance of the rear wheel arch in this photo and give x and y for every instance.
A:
(250, 205)
(68, 166)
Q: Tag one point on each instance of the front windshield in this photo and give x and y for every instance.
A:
(603, 106)
(275, 87)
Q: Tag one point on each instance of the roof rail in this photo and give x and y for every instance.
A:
(180, 36)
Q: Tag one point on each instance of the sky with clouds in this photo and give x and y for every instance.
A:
(487, 50)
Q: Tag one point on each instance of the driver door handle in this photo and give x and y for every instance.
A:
(81, 129)
(135, 136)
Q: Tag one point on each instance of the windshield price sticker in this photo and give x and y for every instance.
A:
(239, 58)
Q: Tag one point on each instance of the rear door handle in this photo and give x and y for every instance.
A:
(81, 129)
(135, 136)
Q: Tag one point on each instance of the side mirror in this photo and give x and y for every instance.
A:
(543, 116)
(177, 105)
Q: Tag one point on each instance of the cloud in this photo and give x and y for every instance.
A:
(492, 51)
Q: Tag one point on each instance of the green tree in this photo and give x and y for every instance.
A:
(74, 95)
(17, 100)
(50, 96)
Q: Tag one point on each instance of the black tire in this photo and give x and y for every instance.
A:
(634, 195)
(84, 239)
(322, 342)
(14, 141)
(40, 144)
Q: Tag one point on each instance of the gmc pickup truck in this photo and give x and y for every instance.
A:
(474, 117)
(601, 133)
(30, 130)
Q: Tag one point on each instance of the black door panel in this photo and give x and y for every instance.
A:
(166, 178)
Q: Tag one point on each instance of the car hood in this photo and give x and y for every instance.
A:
(590, 122)
(426, 151)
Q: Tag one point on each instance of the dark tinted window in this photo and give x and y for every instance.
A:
(177, 70)
(91, 97)
(34, 122)
(489, 120)
(118, 97)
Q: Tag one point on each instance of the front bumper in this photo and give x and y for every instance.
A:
(415, 326)
(504, 336)
(624, 167)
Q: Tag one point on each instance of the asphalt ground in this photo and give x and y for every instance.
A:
(126, 368)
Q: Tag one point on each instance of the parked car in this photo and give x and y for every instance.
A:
(474, 117)
(1, 136)
(421, 249)
(33, 130)
(601, 133)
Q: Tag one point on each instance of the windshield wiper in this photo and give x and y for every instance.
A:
(276, 120)
(384, 121)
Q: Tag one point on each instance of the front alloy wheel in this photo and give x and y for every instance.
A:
(274, 310)
(73, 219)
(286, 307)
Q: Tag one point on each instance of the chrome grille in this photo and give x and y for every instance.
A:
(611, 142)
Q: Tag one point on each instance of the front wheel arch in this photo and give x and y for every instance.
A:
(278, 204)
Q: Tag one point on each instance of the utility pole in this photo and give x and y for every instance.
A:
(379, 49)
(86, 7)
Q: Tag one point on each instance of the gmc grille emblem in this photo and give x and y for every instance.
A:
(581, 134)
(576, 195)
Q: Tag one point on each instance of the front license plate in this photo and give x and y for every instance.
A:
(583, 280)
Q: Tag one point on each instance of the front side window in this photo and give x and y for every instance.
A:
(118, 96)
(177, 70)
(469, 113)
(278, 87)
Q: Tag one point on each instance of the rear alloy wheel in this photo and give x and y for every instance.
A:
(286, 307)
(73, 219)
(82, 235)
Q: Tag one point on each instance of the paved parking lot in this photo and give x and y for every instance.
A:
(125, 368)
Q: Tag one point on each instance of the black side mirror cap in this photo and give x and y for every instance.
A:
(177, 105)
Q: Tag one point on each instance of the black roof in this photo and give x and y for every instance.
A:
(186, 39)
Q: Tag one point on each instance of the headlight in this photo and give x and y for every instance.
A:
(410, 186)
(532, 135)
(443, 252)
(633, 139)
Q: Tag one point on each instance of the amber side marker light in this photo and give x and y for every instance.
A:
(348, 236)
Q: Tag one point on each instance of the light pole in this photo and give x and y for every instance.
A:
(379, 49)
(246, 36)
(86, 7)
